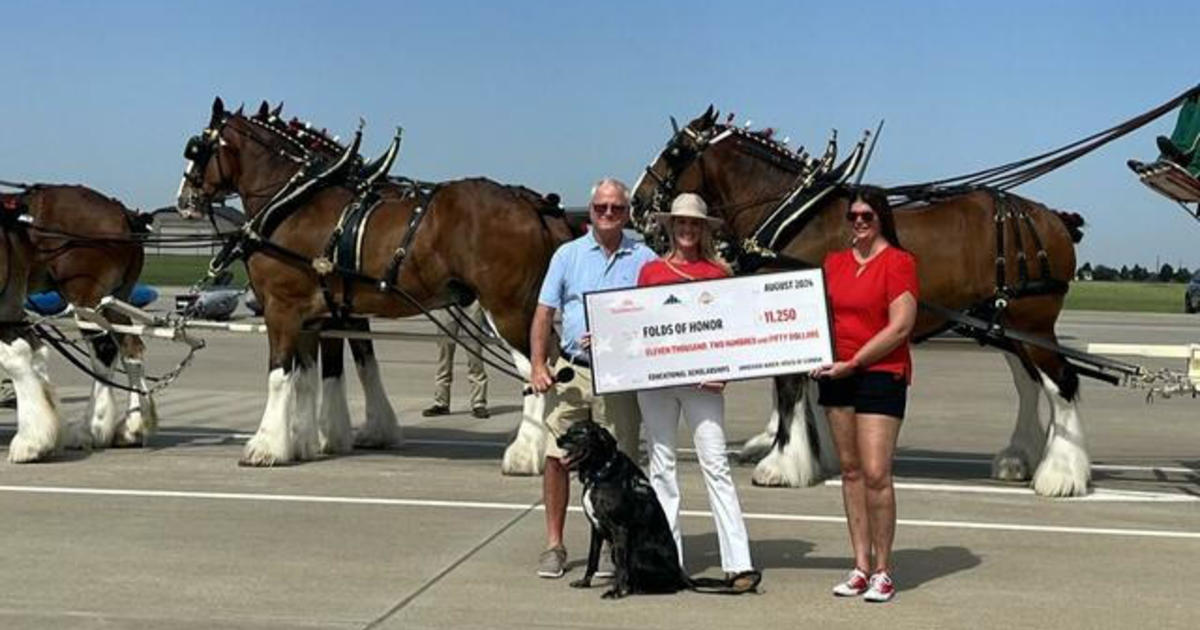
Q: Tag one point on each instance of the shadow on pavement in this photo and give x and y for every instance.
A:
(913, 567)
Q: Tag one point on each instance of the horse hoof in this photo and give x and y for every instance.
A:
(519, 462)
(1010, 465)
(379, 440)
(336, 446)
(23, 451)
(259, 455)
(756, 448)
(1055, 479)
(102, 436)
(783, 470)
(128, 439)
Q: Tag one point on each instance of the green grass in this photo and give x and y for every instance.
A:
(167, 270)
(1151, 297)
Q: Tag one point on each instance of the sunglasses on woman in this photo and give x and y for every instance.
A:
(867, 217)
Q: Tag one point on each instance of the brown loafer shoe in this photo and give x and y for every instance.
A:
(481, 413)
(436, 410)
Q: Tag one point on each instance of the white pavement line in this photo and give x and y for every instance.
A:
(1102, 495)
(1105, 467)
(1179, 470)
(762, 516)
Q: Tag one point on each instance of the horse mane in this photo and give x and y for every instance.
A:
(763, 138)
(1074, 223)
(300, 134)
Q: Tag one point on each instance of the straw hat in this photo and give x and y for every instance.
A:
(688, 205)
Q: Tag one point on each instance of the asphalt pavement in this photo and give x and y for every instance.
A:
(432, 536)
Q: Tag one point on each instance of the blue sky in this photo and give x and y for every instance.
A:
(554, 95)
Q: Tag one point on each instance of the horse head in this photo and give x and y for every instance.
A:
(208, 172)
(251, 157)
(712, 158)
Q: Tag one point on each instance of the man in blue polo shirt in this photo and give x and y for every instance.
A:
(604, 258)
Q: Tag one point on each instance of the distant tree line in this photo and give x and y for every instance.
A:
(1136, 273)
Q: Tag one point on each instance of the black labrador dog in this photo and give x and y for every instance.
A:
(622, 509)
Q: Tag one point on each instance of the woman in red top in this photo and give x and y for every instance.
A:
(692, 257)
(873, 294)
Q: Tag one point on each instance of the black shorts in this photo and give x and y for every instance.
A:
(881, 393)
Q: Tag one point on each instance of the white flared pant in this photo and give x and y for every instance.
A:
(705, 414)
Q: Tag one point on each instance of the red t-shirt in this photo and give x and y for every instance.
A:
(860, 302)
(659, 272)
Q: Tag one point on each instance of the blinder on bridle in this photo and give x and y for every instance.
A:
(684, 148)
(197, 150)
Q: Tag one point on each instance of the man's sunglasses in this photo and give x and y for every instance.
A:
(867, 217)
(609, 208)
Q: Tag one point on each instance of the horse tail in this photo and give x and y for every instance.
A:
(1074, 223)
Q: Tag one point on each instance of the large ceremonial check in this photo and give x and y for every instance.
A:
(711, 330)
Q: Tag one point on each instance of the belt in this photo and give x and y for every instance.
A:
(582, 362)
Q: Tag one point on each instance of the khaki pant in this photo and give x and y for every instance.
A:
(445, 364)
(571, 402)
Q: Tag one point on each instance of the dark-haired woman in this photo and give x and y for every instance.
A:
(873, 295)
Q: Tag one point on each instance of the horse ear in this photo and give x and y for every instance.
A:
(705, 120)
(278, 110)
(263, 110)
(240, 109)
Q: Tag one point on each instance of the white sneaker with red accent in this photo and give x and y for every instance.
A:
(855, 585)
(881, 588)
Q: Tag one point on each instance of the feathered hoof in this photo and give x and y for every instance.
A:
(1056, 477)
(336, 446)
(756, 448)
(260, 454)
(23, 450)
(521, 459)
(381, 439)
(134, 433)
(781, 470)
(1011, 464)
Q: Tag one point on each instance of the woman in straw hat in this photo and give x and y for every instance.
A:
(692, 257)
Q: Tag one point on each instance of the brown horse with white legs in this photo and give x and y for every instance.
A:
(83, 244)
(746, 177)
(429, 246)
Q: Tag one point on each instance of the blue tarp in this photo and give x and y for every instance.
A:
(51, 303)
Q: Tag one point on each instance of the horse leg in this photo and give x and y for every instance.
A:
(23, 356)
(381, 429)
(1065, 469)
(287, 431)
(141, 420)
(791, 461)
(333, 421)
(758, 446)
(526, 452)
(305, 437)
(1017, 461)
(101, 414)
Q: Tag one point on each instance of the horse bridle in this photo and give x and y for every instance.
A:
(205, 146)
(683, 149)
(687, 147)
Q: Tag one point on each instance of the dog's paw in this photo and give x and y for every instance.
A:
(582, 583)
(614, 593)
